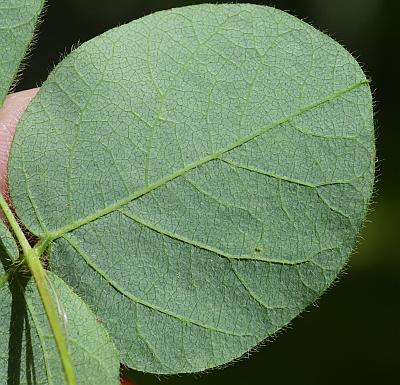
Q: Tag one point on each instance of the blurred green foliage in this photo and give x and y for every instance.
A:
(353, 337)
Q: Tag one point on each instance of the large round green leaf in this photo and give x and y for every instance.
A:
(202, 174)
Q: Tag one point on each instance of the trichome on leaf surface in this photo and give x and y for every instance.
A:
(194, 179)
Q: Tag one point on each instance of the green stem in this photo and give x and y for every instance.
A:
(26, 247)
(39, 274)
(32, 259)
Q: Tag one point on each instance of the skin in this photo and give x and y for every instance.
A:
(13, 108)
(10, 114)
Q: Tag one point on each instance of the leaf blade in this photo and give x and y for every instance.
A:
(17, 25)
(217, 186)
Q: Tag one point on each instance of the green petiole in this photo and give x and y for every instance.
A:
(32, 259)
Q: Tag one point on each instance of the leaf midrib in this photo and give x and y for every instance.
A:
(40, 334)
(51, 236)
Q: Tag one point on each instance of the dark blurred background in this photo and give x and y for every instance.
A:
(353, 337)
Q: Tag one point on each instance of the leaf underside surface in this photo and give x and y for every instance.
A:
(28, 354)
(201, 174)
(17, 24)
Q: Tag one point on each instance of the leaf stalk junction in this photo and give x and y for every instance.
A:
(32, 258)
